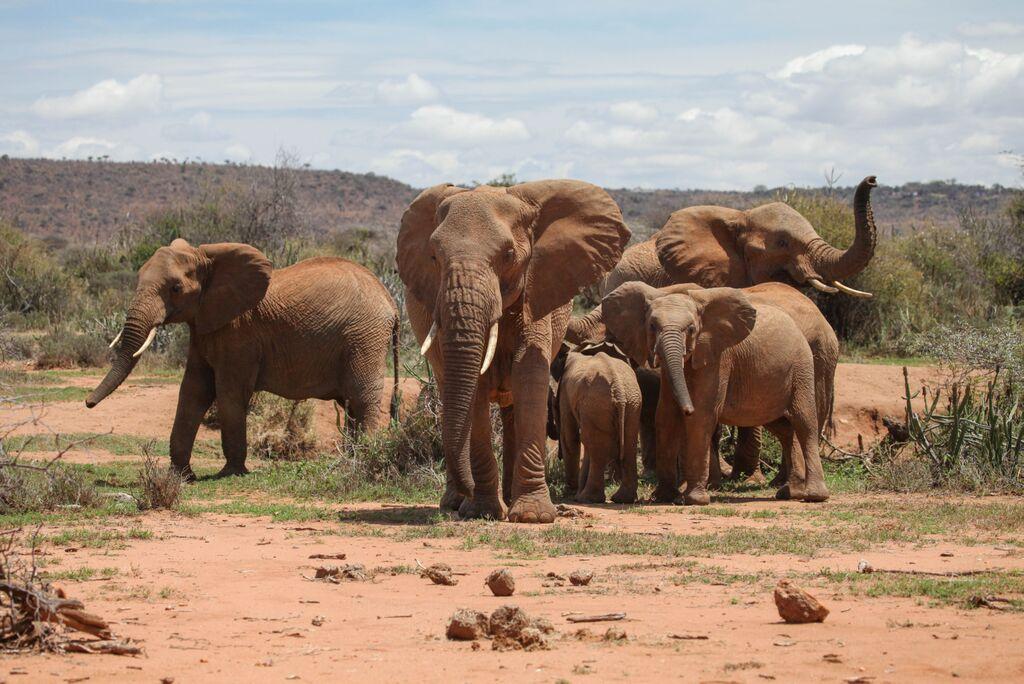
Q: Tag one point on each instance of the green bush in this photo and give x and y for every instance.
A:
(33, 284)
(63, 347)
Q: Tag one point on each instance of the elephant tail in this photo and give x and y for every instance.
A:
(621, 408)
(395, 398)
(829, 428)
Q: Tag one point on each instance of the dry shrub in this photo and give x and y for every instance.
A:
(159, 486)
(281, 429)
(25, 488)
(62, 347)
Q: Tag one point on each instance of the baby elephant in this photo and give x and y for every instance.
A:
(744, 363)
(597, 405)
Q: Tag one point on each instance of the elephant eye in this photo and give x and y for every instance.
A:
(510, 254)
(782, 242)
(691, 329)
(176, 288)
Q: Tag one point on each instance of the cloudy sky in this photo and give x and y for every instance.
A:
(630, 93)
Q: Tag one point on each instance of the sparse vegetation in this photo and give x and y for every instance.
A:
(159, 486)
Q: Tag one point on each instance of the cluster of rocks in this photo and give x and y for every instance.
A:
(508, 627)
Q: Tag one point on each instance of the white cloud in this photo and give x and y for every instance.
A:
(238, 153)
(816, 61)
(81, 146)
(107, 98)
(198, 128)
(413, 90)
(992, 29)
(416, 161)
(20, 143)
(602, 136)
(451, 125)
(633, 112)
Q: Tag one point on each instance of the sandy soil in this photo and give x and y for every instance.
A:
(230, 599)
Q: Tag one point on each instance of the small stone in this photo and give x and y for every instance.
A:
(796, 605)
(319, 620)
(467, 625)
(615, 634)
(440, 573)
(508, 621)
(864, 567)
(581, 578)
(501, 582)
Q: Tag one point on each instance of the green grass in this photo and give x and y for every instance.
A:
(119, 445)
(88, 537)
(30, 394)
(958, 591)
(80, 574)
(854, 357)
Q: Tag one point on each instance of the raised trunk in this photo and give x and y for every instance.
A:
(141, 319)
(835, 264)
(670, 351)
(466, 312)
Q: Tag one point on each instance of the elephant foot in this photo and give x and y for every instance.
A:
(624, 496)
(535, 507)
(595, 497)
(484, 507)
(233, 469)
(779, 479)
(451, 500)
(790, 491)
(756, 478)
(665, 494)
(185, 472)
(816, 493)
(698, 496)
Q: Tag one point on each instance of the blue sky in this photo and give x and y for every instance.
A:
(656, 94)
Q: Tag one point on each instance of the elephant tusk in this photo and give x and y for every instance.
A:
(492, 344)
(115, 340)
(145, 345)
(851, 291)
(430, 339)
(820, 286)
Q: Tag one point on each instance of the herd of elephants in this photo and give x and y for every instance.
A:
(701, 325)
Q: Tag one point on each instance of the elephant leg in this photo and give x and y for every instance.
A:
(531, 501)
(697, 459)
(794, 486)
(671, 433)
(626, 493)
(747, 461)
(508, 452)
(569, 443)
(195, 396)
(595, 463)
(648, 440)
(486, 501)
(714, 464)
(232, 406)
(815, 489)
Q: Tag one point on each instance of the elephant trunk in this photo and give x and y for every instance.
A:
(836, 264)
(467, 312)
(588, 328)
(670, 351)
(144, 314)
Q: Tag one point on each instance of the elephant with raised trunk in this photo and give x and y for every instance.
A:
(490, 274)
(743, 363)
(319, 329)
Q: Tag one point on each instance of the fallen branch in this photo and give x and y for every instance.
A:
(606, 617)
(108, 646)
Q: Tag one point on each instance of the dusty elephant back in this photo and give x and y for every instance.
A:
(331, 281)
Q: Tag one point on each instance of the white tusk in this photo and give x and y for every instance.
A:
(492, 344)
(145, 345)
(115, 339)
(430, 339)
(850, 291)
(820, 286)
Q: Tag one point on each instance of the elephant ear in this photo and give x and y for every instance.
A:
(415, 267)
(625, 317)
(578, 236)
(700, 244)
(726, 316)
(236, 282)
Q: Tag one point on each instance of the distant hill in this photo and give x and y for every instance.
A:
(87, 201)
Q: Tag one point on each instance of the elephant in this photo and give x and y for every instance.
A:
(597, 406)
(812, 323)
(490, 274)
(318, 329)
(744, 364)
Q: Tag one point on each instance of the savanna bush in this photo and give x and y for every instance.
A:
(33, 285)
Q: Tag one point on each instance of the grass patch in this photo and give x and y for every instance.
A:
(956, 591)
(119, 445)
(80, 574)
(87, 537)
(30, 394)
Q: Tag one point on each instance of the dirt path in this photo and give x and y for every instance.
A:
(216, 597)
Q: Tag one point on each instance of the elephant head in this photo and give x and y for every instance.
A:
(469, 255)
(206, 286)
(675, 325)
(724, 246)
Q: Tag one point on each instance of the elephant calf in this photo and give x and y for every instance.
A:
(597, 407)
(319, 329)
(744, 363)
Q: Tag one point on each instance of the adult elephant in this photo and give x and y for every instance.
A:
(717, 246)
(318, 329)
(490, 274)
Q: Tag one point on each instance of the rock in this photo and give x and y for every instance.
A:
(796, 605)
(354, 572)
(440, 573)
(501, 582)
(512, 629)
(121, 498)
(553, 579)
(508, 621)
(467, 625)
(581, 578)
(865, 567)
